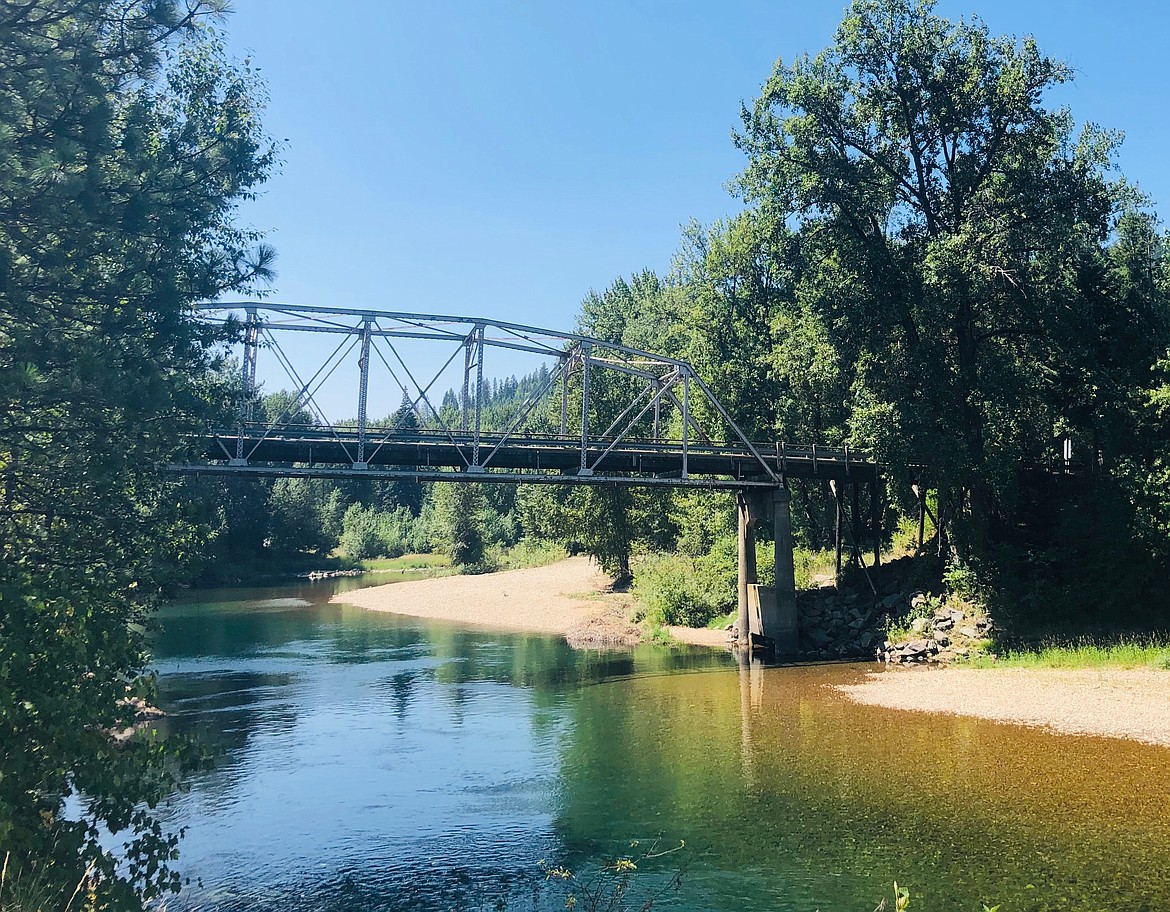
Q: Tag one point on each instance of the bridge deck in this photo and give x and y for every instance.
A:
(550, 459)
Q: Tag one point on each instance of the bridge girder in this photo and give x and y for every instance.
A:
(646, 396)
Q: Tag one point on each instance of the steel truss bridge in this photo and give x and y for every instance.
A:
(603, 413)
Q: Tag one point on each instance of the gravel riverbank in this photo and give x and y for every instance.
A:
(1114, 702)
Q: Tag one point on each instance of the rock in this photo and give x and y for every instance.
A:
(919, 625)
(917, 599)
(943, 623)
(819, 637)
(956, 615)
(969, 632)
(943, 642)
(891, 600)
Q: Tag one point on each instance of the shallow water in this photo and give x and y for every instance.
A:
(368, 761)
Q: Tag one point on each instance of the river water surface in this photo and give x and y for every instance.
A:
(373, 762)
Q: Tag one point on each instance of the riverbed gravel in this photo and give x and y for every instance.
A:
(1113, 702)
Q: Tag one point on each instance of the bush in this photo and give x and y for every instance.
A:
(367, 532)
(533, 553)
(689, 591)
(676, 590)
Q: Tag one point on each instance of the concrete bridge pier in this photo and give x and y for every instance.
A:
(748, 574)
(767, 611)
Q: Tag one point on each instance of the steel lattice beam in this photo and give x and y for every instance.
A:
(647, 393)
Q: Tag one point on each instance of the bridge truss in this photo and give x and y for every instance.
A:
(602, 413)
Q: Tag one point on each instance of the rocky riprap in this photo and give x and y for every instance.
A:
(949, 633)
(852, 622)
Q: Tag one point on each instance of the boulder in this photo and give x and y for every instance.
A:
(819, 637)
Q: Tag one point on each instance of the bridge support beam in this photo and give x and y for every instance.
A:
(747, 562)
(767, 611)
(787, 627)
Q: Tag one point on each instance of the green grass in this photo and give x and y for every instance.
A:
(722, 620)
(812, 564)
(406, 562)
(1148, 653)
(527, 553)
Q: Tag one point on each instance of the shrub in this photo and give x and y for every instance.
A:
(675, 590)
(368, 532)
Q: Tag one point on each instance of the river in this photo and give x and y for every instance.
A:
(374, 762)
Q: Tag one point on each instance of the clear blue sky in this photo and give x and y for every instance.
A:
(502, 158)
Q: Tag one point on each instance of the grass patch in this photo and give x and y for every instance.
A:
(720, 621)
(812, 565)
(658, 634)
(405, 562)
(526, 553)
(1153, 652)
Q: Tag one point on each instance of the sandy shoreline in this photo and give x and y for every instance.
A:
(1113, 702)
(571, 598)
(553, 599)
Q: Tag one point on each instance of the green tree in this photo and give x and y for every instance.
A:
(297, 518)
(405, 492)
(950, 226)
(460, 513)
(360, 534)
(127, 142)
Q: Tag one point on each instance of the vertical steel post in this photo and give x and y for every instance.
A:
(363, 394)
(478, 392)
(586, 379)
(686, 420)
(464, 403)
(565, 371)
(920, 493)
(247, 380)
(855, 523)
(657, 410)
(838, 532)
